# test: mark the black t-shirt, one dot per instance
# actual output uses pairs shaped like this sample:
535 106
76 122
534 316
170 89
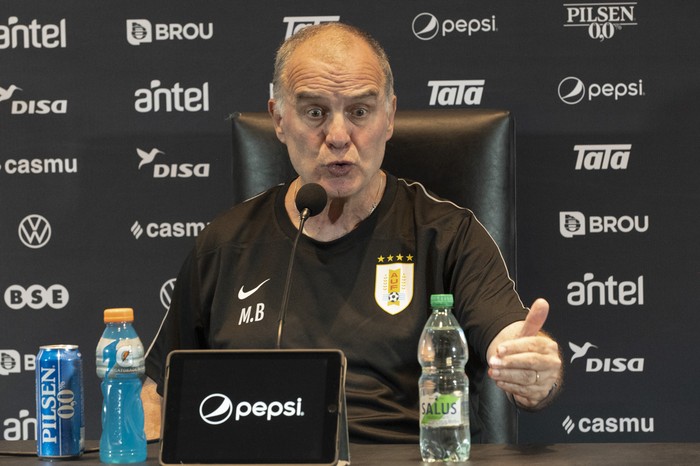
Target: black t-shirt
366 293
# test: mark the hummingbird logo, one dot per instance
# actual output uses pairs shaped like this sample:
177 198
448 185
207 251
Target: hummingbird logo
147 157
6 94
580 351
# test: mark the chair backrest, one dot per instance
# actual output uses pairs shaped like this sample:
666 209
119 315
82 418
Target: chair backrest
465 155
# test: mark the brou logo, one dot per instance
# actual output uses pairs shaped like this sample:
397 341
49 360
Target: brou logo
609 425
605 364
297 23
602 156
141 31
625 293
32 35
32 107
573 223
175 99
34 231
11 362
455 93
217 408
572 90
601 19
172 170
426 26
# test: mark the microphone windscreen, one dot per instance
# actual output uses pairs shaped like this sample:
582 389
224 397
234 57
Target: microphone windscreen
311 196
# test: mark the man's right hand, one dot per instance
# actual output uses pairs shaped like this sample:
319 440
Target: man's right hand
152 403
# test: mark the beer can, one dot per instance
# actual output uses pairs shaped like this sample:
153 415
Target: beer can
59 402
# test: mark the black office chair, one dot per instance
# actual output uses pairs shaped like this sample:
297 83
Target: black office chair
465 155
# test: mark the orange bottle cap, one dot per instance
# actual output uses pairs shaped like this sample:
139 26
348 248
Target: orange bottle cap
122 314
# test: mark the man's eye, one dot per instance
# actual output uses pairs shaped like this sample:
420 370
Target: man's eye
360 112
314 113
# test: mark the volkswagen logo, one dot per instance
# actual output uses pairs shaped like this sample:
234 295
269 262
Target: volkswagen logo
34 231
166 293
571 90
215 409
425 26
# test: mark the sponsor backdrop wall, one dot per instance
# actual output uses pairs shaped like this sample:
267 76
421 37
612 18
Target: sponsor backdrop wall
115 153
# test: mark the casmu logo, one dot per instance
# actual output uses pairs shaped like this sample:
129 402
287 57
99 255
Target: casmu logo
455 93
426 26
297 23
168 230
602 156
141 31
609 425
217 408
601 19
573 223
572 90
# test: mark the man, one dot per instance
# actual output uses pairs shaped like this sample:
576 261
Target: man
333 108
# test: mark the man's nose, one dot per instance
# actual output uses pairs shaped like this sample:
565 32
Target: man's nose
338 131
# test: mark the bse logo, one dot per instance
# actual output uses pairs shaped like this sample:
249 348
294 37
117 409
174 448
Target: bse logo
297 23
141 31
173 170
616 365
602 156
32 35
610 425
426 26
217 408
36 297
34 231
572 90
32 107
601 19
572 223
455 93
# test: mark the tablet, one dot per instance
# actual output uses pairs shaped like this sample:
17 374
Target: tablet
260 407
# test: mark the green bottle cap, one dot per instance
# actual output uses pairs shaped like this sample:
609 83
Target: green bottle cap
441 300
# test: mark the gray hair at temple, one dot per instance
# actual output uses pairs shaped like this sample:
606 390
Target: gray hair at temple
291 44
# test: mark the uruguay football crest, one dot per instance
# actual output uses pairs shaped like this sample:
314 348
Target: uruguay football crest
393 285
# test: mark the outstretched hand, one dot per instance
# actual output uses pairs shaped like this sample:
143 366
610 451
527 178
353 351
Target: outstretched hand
525 362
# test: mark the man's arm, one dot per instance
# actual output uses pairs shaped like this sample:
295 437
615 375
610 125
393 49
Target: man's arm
525 362
152 403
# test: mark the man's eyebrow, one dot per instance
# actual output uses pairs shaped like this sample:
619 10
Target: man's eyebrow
305 95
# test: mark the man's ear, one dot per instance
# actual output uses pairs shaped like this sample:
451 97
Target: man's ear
274 112
390 117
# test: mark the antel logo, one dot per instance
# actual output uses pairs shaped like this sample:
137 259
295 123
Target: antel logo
609 292
142 31
573 223
175 99
22 427
572 90
34 231
32 107
602 156
297 23
601 19
11 362
166 292
611 425
32 35
36 297
426 26
456 92
217 408
616 365
172 170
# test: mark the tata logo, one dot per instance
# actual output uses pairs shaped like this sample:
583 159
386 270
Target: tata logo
36 297
611 425
427 26
32 107
573 223
33 35
615 365
601 20
456 92
34 231
142 31
166 292
297 23
602 156
217 408
572 90
172 170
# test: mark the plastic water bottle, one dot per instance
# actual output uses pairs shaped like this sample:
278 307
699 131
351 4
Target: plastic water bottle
120 363
443 385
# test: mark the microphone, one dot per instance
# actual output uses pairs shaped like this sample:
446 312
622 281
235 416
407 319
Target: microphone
310 200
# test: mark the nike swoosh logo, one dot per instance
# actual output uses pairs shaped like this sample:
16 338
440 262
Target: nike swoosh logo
244 294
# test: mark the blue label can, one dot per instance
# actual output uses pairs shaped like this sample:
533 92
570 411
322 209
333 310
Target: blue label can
59 402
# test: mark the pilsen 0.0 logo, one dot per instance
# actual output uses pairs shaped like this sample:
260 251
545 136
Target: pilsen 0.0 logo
602 20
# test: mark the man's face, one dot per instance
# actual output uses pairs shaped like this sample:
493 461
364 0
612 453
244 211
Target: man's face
336 119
